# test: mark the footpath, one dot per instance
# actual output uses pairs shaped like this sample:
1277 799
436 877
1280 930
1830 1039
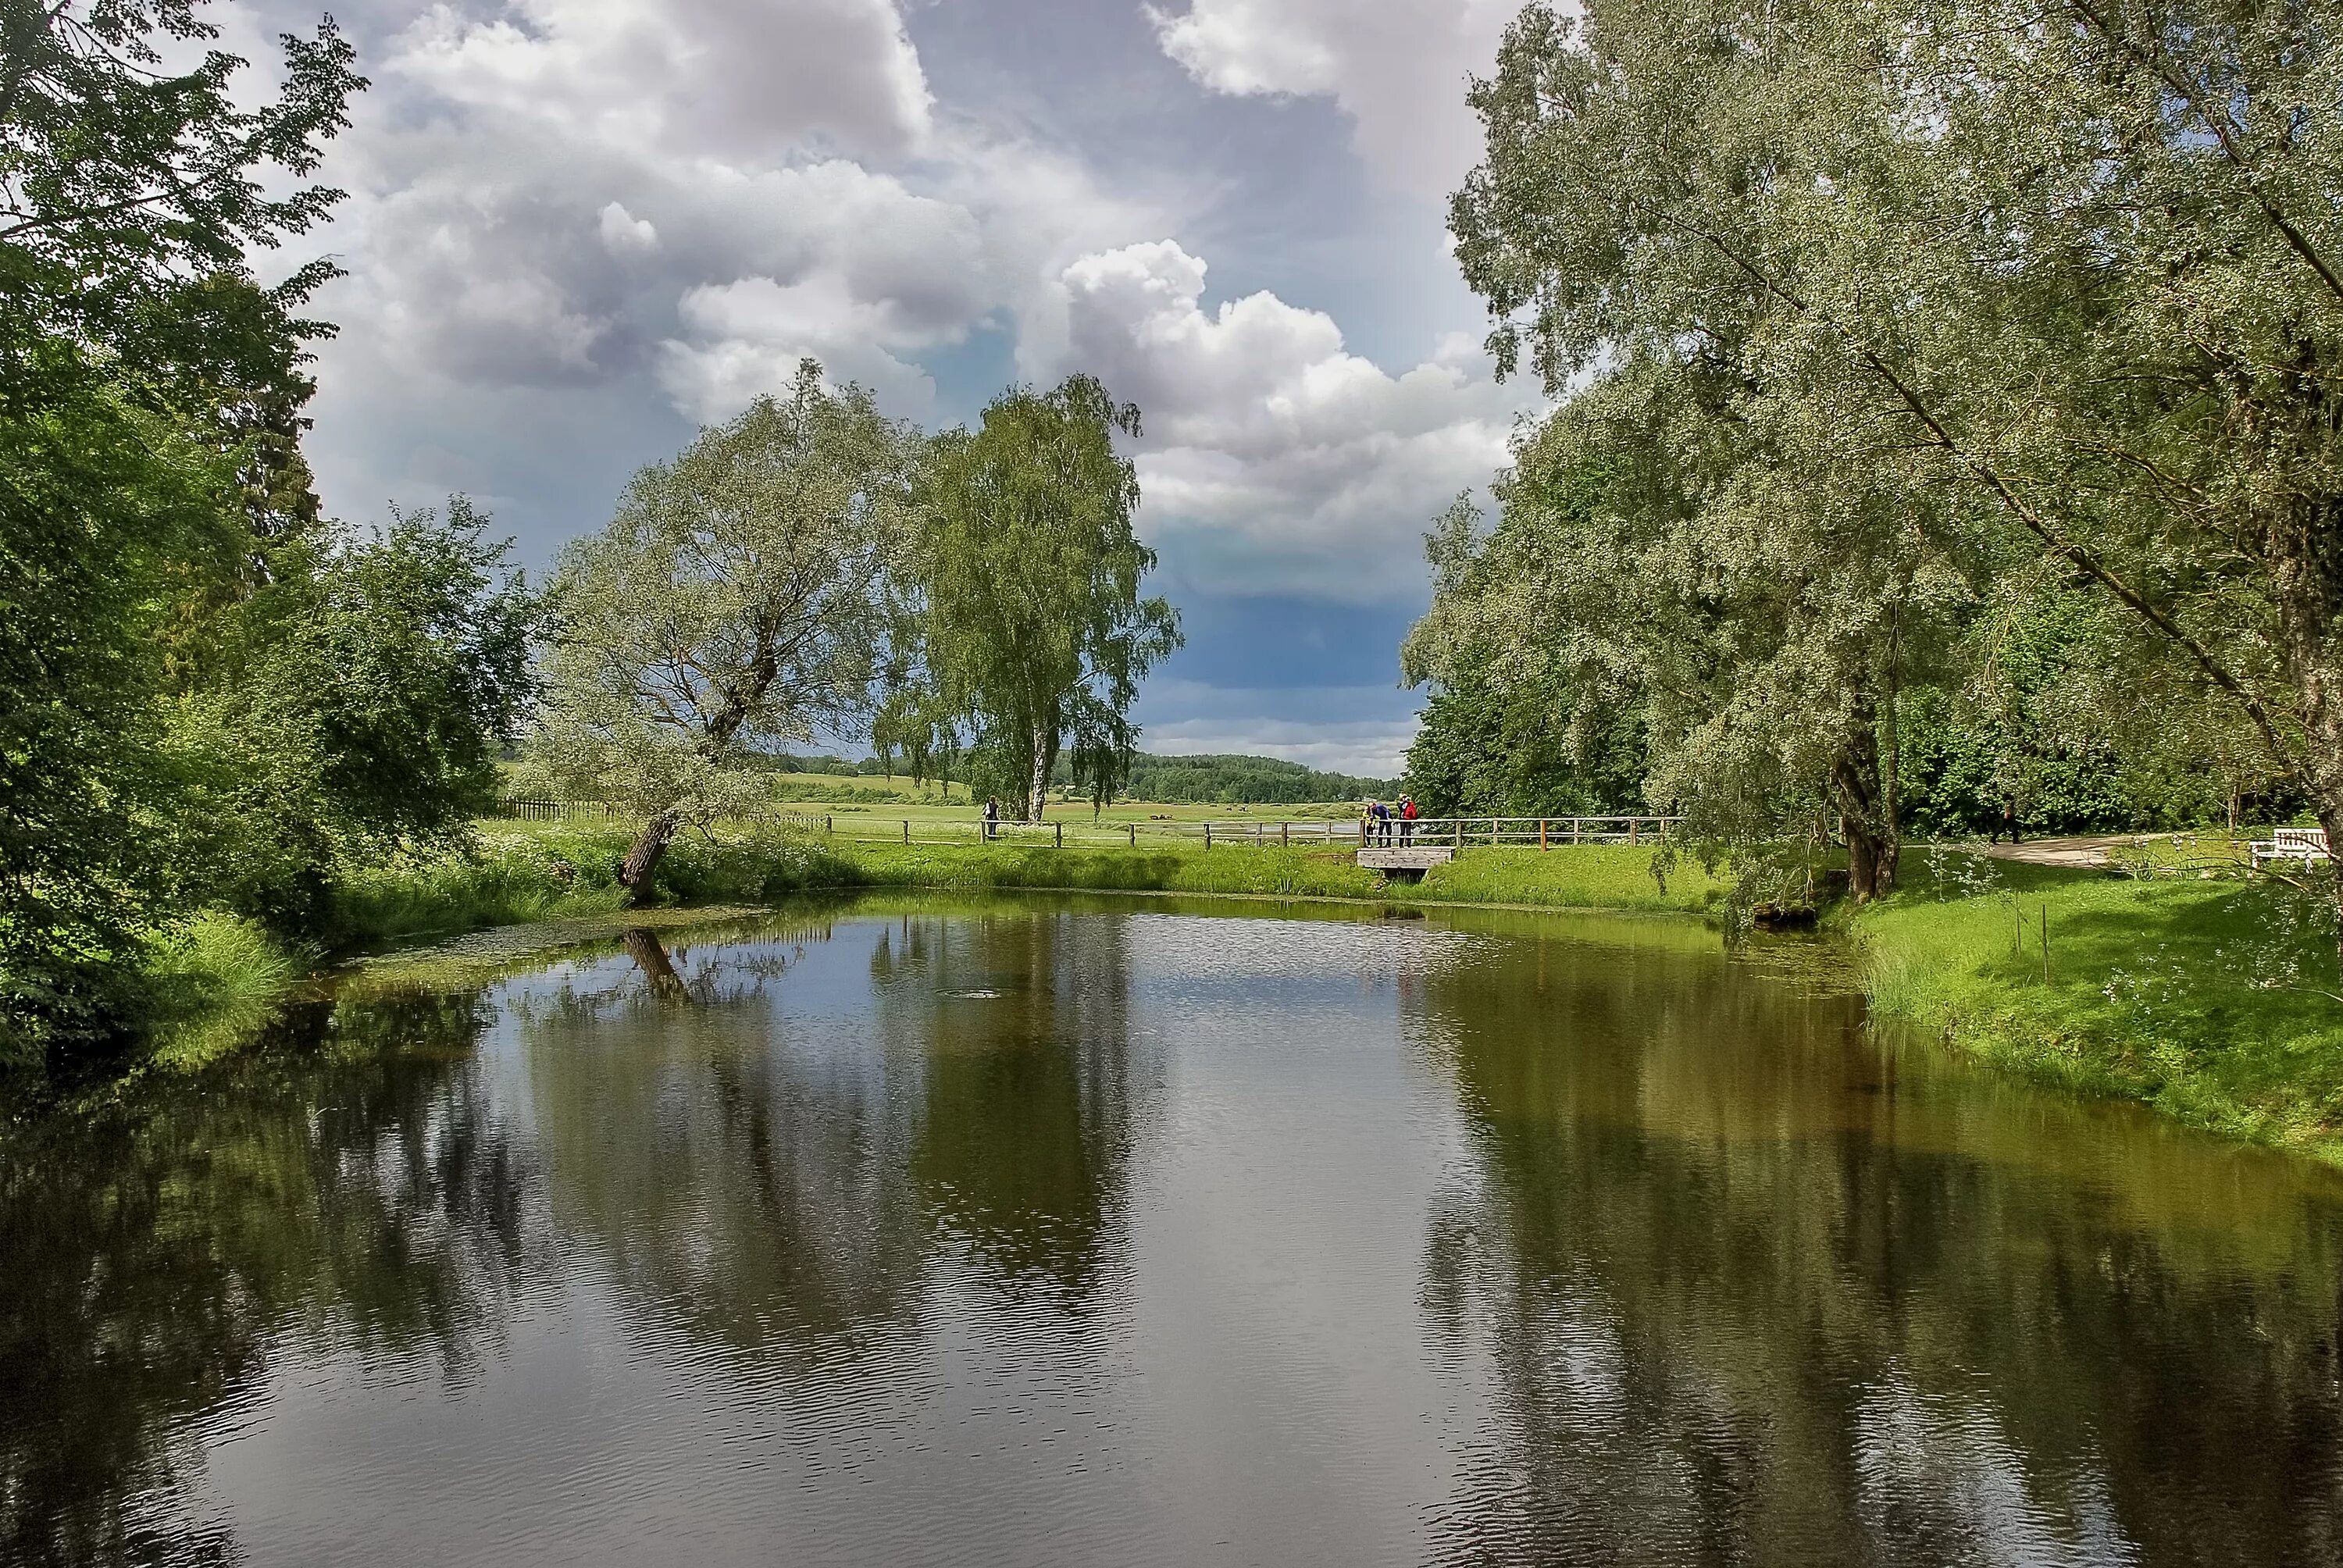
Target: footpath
2086 853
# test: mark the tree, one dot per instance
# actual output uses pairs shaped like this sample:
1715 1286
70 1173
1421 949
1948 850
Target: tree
1030 571
130 201
352 707
733 604
1731 598
128 194
97 500
2073 272
1509 731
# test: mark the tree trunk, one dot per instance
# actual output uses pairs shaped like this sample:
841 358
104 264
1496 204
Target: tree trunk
1045 757
635 873
2310 562
1866 813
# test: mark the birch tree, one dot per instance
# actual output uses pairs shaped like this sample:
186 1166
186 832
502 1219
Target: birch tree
1032 572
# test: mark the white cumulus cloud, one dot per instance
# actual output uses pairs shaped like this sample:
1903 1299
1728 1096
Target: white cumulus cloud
1399 68
1276 460
624 234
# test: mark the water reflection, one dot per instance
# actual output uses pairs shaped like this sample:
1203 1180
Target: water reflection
156 1244
1067 1232
1022 1031
1829 1302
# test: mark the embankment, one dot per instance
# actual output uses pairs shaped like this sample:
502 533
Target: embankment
2208 999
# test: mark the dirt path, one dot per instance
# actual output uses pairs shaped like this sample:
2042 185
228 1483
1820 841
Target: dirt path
2087 853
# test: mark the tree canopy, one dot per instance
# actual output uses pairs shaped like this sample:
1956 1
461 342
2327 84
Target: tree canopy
211 697
735 604
1877 321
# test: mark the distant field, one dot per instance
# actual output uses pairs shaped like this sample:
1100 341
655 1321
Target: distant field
899 799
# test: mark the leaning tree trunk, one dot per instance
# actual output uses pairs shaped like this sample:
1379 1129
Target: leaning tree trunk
636 871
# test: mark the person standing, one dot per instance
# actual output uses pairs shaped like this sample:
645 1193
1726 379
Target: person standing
991 818
2008 821
1407 816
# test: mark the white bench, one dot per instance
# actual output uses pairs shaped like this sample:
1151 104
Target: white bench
2304 844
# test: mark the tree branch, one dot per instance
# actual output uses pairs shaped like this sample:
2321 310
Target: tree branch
2225 131
2000 487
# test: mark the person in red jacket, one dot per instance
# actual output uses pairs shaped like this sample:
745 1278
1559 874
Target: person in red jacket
1407 816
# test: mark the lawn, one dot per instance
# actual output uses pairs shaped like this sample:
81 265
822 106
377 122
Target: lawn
2206 998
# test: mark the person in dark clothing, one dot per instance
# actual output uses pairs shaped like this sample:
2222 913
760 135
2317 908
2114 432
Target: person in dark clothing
991 819
1407 816
2008 821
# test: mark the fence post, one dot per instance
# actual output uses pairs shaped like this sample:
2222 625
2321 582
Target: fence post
1257 829
1208 835
1460 832
1362 833
829 824
1133 828
1634 825
1061 834
907 829
1285 835
1541 832
1577 832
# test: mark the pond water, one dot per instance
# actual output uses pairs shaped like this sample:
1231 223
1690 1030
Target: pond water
1054 1231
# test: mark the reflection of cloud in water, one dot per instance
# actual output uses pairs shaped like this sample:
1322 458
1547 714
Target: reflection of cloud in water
1939 1479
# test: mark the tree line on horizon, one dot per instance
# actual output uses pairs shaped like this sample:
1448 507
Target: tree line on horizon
1198 777
1947 421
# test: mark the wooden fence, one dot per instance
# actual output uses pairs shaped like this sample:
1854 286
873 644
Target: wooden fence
1072 831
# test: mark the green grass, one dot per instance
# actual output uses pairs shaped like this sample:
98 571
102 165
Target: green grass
2201 998
214 986
1589 877
532 873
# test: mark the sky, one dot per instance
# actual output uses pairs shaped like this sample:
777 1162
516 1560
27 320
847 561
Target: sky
578 229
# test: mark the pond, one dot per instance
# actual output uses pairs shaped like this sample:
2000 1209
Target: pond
1087 1232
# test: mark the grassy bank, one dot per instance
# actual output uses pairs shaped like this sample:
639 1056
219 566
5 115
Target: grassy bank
1590 877
2205 999
219 984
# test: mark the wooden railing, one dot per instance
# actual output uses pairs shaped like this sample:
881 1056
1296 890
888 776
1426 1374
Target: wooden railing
1073 831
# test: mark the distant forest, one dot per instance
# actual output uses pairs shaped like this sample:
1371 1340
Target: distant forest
1217 780
1243 780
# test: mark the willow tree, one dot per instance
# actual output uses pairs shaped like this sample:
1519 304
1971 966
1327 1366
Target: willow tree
1030 574
733 605
2073 272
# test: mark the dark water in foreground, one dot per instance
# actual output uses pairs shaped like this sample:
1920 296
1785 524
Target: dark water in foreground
1059 1233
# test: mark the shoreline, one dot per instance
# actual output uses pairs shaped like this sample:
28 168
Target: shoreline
2220 1051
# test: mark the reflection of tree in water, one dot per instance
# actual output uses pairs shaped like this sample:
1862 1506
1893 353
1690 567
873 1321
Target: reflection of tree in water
1024 1028
1746 1301
740 1169
349 1185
